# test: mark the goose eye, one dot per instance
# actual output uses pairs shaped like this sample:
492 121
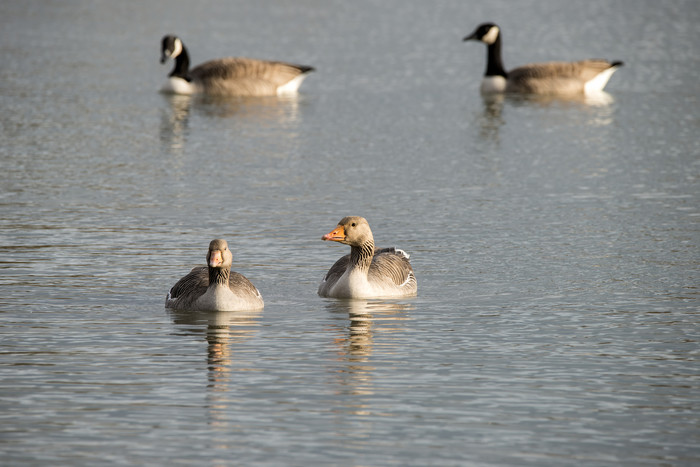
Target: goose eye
353 224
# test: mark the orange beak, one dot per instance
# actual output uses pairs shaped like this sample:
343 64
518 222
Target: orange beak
215 259
336 235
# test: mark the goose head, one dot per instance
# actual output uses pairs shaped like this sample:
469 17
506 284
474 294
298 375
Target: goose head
219 256
351 230
171 48
487 33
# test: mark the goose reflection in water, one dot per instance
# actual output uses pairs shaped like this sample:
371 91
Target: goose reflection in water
596 109
582 101
366 321
267 111
174 123
257 113
491 118
223 331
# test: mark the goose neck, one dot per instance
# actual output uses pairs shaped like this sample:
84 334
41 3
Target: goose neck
361 256
219 275
494 61
182 65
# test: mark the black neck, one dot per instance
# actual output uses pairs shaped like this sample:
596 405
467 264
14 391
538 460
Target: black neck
494 62
219 275
182 65
361 256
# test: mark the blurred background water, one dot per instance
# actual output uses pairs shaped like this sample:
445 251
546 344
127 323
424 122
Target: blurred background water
555 241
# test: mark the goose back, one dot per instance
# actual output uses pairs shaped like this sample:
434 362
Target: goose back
187 290
392 267
386 263
558 77
246 76
390 273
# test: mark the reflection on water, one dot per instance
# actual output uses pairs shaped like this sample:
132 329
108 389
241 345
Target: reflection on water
367 320
278 110
592 99
596 109
174 123
491 118
557 240
262 112
223 330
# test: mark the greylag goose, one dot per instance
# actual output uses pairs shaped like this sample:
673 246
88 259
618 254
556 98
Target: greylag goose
233 76
214 287
367 272
585 76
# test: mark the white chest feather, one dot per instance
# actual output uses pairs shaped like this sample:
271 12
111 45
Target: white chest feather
220 298
179 86
492 84
355 284
352 284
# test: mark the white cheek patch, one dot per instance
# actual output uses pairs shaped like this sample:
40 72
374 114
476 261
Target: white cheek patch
178 48
491 36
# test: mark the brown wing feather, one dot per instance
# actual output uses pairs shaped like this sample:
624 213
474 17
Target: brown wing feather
337 270
388 264
245 76
240 285
555 76
192 285
391 265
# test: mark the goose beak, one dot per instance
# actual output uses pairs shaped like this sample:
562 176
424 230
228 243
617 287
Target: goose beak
336 235
164 57
215 260
470 37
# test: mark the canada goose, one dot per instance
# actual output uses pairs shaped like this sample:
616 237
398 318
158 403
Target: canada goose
367 272
233 76
585 76
214 287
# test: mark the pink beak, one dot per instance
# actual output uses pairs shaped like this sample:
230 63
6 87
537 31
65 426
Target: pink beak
336 235
215 259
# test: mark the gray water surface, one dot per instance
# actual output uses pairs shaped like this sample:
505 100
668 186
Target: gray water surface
555 242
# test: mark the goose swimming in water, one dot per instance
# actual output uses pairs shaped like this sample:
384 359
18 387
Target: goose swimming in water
232 76
215 287
367 272
585 76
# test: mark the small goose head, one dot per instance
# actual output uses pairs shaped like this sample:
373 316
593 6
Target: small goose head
219 256
171 48
351 230
487 33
